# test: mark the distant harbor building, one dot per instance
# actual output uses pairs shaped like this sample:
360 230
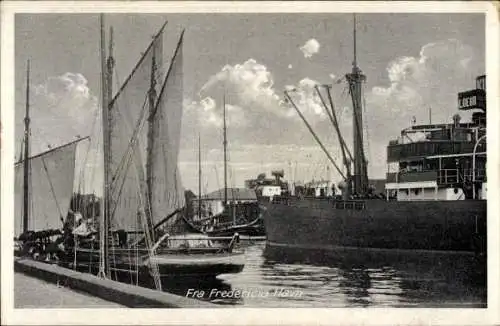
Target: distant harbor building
268 188
270 191
212 204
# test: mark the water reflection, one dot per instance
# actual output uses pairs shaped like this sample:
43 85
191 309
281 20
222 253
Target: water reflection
276 278
354 284
212 290
313 280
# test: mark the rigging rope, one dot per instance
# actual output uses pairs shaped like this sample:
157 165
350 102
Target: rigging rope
231 177
136 262
175 199
92 181
217 176
142 203
130 266
153 264
93 228
366 123
127 158
21 159
134 138
22 150
83 167
52 188
357 125
30 192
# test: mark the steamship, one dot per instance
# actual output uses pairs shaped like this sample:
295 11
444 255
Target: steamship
434 199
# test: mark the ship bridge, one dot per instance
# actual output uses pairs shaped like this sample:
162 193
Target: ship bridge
441 161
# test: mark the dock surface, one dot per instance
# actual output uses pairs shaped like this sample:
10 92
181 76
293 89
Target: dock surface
30 292
108 290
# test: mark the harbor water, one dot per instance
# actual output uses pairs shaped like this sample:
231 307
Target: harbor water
281 282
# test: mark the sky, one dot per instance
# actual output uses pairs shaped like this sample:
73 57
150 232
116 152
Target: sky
412 61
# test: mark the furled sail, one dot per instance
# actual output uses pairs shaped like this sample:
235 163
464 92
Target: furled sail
129 112
167 190
52 174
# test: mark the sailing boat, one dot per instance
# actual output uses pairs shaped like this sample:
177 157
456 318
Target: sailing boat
143 230
239 215
43 188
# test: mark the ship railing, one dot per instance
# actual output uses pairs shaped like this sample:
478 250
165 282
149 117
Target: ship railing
480 175
448 176
350 204
353 204
280 200
231 223
164 239
442 176
453 176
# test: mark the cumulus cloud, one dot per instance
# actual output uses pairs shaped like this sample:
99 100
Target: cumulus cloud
256 110
249 83
208 112
290 66
307 99
310 48
259 114
61 109
432 79
251 97
249 92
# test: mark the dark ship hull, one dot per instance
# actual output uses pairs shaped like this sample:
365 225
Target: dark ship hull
441 227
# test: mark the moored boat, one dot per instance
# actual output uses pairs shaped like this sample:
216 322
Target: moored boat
42 194
143 201
241 213
140 230
226 211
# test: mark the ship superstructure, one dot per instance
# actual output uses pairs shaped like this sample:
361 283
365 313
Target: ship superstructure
442 161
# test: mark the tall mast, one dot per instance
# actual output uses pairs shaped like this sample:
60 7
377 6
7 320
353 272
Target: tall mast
199 176
26 165
354 62
106 120
356 80
153 129
225 148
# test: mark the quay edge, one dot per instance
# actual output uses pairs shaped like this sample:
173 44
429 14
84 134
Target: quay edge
124 294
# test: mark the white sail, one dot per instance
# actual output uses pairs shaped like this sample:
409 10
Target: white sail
168 193
129 111
51 187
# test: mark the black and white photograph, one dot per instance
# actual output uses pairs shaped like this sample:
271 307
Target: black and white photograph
327 156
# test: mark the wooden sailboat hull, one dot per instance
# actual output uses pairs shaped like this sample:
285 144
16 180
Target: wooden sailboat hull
205 266
130 262
253 229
